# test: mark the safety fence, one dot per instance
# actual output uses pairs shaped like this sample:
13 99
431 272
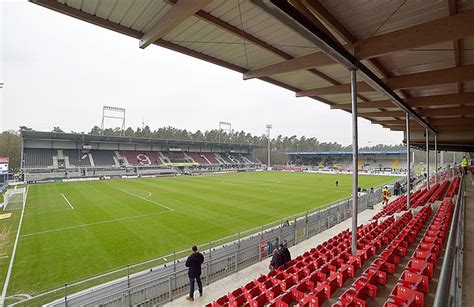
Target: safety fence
222 258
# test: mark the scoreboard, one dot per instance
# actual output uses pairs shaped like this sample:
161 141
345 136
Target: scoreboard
4 165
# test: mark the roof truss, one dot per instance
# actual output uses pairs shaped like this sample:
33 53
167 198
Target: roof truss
181 10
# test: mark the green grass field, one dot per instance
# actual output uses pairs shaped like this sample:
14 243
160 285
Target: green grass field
74 230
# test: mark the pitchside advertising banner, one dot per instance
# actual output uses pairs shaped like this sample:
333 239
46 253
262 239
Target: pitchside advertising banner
4 165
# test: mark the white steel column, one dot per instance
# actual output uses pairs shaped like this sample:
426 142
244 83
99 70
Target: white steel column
436 158
408 159
355 160
427 160
268 148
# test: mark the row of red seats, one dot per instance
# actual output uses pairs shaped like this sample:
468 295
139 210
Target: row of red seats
398 205
439 193
312 277
367 284
425 196
454 188
413 282
392 207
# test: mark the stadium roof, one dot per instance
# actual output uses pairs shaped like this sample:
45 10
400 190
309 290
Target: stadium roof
329 153
78 137
413 56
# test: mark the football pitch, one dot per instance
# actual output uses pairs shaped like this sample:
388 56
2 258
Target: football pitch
74 230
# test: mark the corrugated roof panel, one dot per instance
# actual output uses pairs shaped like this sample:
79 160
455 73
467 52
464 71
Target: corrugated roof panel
261 25
120 10
440 89
339 98
302 79
137 9
373 96
433 57
153 13
336 72
464 5
89 6
74 3
365 19
199 35
469 86
468 51
105 8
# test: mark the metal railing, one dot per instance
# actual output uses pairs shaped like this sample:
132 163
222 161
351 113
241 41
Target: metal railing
448 292
156 284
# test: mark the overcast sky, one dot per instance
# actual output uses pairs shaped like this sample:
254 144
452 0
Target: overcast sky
60 71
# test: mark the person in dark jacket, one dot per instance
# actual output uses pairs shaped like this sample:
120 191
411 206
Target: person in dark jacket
276 261
194 264
285 254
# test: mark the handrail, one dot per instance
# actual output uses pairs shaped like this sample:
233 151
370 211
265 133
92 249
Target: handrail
442 296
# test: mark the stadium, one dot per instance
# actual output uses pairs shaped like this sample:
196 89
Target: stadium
108 217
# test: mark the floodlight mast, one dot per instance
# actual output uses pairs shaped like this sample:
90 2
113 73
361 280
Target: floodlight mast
226 127
106 113
268 150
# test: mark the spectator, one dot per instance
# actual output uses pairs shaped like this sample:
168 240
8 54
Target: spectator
464 165
194 262
396 188
386 195
276 261
269 248
285 254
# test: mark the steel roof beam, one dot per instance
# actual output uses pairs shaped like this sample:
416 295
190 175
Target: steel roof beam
416 102
426 78
453 27
445 29
362 87
171 19
339 53
317 59
433 121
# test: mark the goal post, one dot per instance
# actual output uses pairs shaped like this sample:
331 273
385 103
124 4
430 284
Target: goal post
13 199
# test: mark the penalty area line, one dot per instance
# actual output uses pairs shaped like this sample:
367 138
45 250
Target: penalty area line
92 224
64 196
145 199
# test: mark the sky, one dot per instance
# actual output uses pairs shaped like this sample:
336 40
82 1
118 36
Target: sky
60 71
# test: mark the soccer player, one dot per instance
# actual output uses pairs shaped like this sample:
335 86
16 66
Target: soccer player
337 184
194 264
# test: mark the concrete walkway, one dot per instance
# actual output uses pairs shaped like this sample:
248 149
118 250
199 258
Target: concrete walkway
239 279
468 266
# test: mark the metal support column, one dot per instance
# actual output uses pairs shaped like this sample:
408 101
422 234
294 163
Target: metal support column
436 158
355 158
427 159
408 159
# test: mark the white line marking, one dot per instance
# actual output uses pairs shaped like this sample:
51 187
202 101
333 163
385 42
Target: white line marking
7 279
67 201
92 224
145 199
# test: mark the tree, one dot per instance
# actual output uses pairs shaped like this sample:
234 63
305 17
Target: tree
95 130
57 129
10 146
25 128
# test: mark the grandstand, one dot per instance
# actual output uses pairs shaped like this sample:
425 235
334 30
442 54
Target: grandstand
369 161
49 155
406 66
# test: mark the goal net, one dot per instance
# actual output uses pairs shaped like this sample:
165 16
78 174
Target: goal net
13 199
